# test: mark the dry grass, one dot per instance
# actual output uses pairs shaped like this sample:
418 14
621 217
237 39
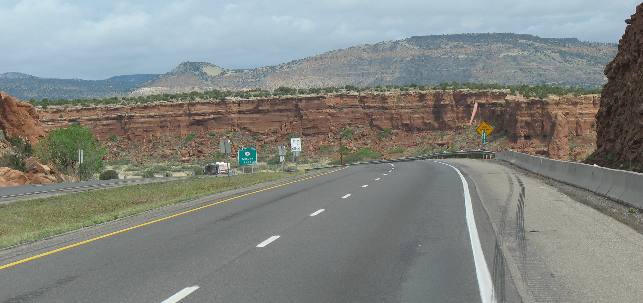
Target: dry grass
32 220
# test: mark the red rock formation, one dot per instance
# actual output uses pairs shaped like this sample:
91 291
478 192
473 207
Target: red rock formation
620 118
19 119
558 147
416 118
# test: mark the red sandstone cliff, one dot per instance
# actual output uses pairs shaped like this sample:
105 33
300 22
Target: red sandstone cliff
416 119
620 118
19 119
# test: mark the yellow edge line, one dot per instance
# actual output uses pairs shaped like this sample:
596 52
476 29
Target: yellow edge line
77 244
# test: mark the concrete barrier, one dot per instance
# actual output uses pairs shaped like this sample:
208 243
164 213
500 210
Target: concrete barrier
620 185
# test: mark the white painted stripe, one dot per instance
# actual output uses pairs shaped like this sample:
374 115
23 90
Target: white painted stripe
181 294
485 284
365 185
346 196
268 241
385 174
377 179
317 212
392 165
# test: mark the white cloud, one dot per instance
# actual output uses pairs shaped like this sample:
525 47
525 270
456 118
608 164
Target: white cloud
97 39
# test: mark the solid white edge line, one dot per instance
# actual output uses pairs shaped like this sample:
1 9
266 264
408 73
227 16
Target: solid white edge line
268 241
317 212
181 294
346 196
485 284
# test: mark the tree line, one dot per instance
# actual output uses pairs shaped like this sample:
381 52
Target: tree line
529 91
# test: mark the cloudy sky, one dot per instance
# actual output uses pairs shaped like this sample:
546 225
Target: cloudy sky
100 38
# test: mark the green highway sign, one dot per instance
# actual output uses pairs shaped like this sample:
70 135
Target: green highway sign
247 156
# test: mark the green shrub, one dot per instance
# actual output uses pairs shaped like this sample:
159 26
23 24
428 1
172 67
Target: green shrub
197 170
397 150
385 133
13 161
108 175
361 154
148 173
61 146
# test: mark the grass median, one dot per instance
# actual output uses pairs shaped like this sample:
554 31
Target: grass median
31 220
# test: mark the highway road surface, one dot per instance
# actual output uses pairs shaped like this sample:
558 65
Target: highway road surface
403 232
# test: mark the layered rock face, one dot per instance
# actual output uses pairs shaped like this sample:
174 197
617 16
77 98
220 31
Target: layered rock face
620 118
19 119
414 118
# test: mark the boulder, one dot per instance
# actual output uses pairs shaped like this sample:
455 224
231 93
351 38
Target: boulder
12 177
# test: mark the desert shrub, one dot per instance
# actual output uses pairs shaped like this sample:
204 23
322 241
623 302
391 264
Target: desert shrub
148 173
397 150
198 170
109 174
384 133
13 161
60 147
361 154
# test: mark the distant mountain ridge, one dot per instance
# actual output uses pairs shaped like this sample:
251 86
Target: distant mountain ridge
27 87
475 58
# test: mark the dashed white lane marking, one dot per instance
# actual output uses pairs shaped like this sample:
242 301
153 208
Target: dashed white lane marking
365 185
392 165
377 179
268 241
485 284
317 212
346 196
181 294
385 174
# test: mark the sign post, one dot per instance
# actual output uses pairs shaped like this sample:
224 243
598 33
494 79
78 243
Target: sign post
225 147
247 156
81 160
282 155
295 148
484 130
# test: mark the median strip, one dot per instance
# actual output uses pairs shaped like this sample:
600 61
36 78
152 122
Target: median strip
15 226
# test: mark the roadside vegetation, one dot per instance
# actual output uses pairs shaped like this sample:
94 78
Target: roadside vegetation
529 91
60 147
16 155
37 219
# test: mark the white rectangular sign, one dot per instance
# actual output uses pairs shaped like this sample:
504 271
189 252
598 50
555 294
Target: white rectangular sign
295 144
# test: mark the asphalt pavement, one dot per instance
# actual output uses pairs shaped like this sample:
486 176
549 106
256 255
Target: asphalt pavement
374 233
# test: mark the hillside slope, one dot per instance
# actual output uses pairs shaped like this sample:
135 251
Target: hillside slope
27 87
620 118
476 58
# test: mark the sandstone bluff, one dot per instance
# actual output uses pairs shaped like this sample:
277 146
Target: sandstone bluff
620 118
560 127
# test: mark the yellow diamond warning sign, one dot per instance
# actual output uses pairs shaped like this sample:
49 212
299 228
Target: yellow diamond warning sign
484 127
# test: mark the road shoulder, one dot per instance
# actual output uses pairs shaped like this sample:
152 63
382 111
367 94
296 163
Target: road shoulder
565 251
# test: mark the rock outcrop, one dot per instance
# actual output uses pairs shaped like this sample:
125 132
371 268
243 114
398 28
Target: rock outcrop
192 129
19 119
620 118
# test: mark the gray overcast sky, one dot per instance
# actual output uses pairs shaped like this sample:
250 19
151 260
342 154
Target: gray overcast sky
100 38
